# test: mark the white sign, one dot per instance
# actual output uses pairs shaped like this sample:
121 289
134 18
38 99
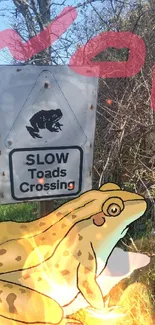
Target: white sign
45 172
47 125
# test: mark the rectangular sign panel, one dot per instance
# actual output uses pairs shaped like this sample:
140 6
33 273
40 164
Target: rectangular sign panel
47 129
45 172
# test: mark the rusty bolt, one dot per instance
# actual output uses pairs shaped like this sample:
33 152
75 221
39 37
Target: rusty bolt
91 107
46 84
3 174
9 142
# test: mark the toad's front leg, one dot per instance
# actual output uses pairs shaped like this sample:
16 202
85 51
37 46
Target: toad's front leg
58 125
86 281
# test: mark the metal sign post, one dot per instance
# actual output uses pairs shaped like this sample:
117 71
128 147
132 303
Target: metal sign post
47 125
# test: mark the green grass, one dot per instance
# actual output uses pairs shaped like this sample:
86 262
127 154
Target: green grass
20 212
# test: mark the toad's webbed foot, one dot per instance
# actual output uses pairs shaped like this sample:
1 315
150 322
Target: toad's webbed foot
58 126
54 128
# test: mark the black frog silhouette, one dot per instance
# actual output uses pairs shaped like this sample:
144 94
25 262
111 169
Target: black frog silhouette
45 120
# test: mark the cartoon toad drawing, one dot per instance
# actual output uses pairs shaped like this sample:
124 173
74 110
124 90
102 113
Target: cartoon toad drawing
46 263
45 120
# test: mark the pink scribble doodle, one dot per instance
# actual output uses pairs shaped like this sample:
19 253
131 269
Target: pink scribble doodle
24 51
81 61
118 40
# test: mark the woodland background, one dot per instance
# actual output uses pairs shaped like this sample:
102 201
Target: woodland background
124 150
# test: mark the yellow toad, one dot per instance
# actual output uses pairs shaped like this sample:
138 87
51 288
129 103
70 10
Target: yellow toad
44 264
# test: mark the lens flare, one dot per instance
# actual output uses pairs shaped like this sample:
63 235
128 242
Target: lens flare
109 101
71 186
132 307
107 314
41 180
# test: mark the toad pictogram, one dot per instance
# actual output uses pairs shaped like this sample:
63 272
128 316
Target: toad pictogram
45 120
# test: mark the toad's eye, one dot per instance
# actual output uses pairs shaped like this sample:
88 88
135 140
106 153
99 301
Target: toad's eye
113 207
114 210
